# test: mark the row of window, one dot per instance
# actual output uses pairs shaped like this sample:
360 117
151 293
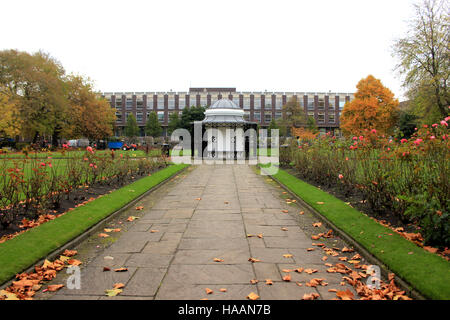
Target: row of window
256 115
257 103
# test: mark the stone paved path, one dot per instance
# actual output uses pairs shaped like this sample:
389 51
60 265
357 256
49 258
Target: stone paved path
177 261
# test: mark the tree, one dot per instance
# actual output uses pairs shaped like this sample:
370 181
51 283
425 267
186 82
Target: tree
424 58
131 128
152 126
174 123
374 107
272 126
295 116
36 84
406 124
9 127
191 114
90 115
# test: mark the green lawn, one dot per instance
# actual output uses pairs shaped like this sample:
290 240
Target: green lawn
426 272
26 249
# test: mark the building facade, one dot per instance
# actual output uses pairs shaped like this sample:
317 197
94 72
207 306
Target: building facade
259 107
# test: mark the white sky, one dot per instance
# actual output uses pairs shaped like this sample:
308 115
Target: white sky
133 45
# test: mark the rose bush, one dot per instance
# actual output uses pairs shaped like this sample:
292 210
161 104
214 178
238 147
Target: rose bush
407 177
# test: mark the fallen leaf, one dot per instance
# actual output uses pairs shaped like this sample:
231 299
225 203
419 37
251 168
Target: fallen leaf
284 211
310 249
287 270
345 295
252 296
118 286
113 292
218 260
121 269
311 271
223 290
311 296
320 202
299 270
269 282
287 278
74 262
69 253
299 284
345 249
8 295
317 224
284 229
198 198
139 208
106 269
287 255
430 249
208 291
107 230
154 231
103 235
254 281
54 287
301 213
131 218
253 260
260 235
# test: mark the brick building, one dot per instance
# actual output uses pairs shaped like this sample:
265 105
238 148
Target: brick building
260 107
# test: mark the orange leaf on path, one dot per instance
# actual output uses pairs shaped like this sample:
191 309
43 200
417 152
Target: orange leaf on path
311 296
345 295
252 296
208 291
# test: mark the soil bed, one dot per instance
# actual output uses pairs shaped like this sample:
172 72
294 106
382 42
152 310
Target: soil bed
77 197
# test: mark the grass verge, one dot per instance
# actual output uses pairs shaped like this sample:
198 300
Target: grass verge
26 249
426 272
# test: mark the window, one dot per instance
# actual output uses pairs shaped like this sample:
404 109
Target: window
310 103
331 118
118 103
149 102
257 116
341 103
268 102
311 114
129 103
321 117
161 116
331 103
160 102
118 116
279 103
236 100
246 115
247 103
139 104
278 115
267 117
127 114
139 116
171 102
192 100
321 104
203 101
257 102
181 102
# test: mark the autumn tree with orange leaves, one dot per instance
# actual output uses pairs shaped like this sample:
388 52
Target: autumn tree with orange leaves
374 107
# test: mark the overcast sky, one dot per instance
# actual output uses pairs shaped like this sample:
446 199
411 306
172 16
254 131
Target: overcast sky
131 45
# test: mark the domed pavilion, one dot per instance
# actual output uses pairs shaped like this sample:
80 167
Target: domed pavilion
224 132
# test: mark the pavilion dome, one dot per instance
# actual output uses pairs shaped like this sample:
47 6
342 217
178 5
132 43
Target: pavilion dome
224 111
224 104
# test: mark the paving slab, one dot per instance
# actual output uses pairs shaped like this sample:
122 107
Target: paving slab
207 212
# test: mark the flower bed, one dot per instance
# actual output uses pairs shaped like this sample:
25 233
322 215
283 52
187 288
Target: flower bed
404 178
31 187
